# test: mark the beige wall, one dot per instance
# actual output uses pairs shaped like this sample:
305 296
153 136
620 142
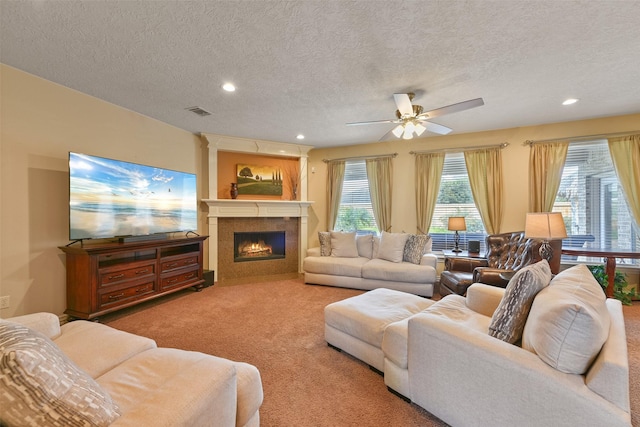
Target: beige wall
515 168
41 123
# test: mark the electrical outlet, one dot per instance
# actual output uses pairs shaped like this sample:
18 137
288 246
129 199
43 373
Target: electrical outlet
4 302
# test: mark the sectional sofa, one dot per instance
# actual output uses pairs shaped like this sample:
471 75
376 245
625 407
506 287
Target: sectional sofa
86 373
542 352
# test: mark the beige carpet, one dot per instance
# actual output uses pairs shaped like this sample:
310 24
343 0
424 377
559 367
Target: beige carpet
278 327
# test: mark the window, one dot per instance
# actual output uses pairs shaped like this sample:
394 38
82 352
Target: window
592 203
455 199
355 212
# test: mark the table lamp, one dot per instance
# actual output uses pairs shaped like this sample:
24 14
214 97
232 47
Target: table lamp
457 223
546 226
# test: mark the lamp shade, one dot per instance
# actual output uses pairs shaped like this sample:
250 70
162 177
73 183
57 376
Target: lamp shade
545 225
457 223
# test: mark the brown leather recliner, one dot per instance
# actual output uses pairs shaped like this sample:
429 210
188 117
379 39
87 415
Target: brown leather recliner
506 254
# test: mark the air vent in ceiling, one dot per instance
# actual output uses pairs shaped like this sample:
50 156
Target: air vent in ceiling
199 111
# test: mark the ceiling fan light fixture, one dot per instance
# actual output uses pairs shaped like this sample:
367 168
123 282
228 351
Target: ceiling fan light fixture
409 127
407 135
397 131
420 129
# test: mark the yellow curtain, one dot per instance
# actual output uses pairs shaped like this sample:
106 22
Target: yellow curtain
428 174
625 153
484 168
379 174
335 179
546 162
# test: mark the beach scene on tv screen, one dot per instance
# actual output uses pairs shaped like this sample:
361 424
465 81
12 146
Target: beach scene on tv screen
110 198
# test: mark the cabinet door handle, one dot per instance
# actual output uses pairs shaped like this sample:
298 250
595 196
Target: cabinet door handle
116 296
146 270
172 280
173 264
139 290
116 276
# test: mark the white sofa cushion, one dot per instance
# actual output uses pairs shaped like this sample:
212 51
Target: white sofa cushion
569 321
398 272
350 267
97 348
343 245
365 245
169 387
391 247
510 317
39 383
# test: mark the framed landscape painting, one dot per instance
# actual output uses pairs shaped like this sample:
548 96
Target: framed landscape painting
259 180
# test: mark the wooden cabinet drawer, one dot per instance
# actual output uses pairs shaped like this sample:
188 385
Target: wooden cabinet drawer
122 296
111 277
175 263
179 279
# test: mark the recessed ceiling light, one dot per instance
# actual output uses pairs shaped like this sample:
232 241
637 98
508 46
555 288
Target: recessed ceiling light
300 136
569 101
229 87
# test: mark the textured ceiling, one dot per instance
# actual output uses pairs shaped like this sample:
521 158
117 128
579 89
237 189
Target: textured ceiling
311 66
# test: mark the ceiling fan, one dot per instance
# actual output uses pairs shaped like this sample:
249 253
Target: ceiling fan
412 120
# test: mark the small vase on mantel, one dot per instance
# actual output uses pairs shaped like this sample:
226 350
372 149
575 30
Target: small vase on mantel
234 190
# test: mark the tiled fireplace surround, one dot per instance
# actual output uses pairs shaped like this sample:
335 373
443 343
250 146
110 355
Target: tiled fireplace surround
227 215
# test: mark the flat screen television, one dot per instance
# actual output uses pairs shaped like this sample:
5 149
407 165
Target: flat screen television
111 198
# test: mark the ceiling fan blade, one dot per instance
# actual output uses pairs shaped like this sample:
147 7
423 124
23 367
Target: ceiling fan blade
454 108
372 122
436 128
404 104
387 136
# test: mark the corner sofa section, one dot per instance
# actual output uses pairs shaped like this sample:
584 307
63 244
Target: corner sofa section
398 261
139 383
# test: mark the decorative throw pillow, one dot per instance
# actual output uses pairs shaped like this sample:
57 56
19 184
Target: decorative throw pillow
415 247
344 245
40 384
325 243
365 245
507 322
569 321
391 246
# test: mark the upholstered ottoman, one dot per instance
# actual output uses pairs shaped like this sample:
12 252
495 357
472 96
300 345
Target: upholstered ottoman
356 325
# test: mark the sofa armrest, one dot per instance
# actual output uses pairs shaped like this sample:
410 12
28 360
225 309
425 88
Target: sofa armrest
47 324
491 276
484 299
463 264
495 383
609 374
429 259
313 251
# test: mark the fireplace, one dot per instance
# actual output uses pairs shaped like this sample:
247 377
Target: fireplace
258 245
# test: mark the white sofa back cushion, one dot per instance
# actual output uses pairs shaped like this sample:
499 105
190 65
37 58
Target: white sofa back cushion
365 245
391 247
568 322
343 245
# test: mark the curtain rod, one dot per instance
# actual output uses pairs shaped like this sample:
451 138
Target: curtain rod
580 138
361 157
457 150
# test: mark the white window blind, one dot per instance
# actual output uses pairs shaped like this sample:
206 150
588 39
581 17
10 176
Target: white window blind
455 199
355 212
592 203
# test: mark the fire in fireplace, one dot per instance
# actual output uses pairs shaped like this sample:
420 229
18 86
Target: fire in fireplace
261 245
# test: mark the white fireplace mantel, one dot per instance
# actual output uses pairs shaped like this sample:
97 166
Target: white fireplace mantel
230 208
